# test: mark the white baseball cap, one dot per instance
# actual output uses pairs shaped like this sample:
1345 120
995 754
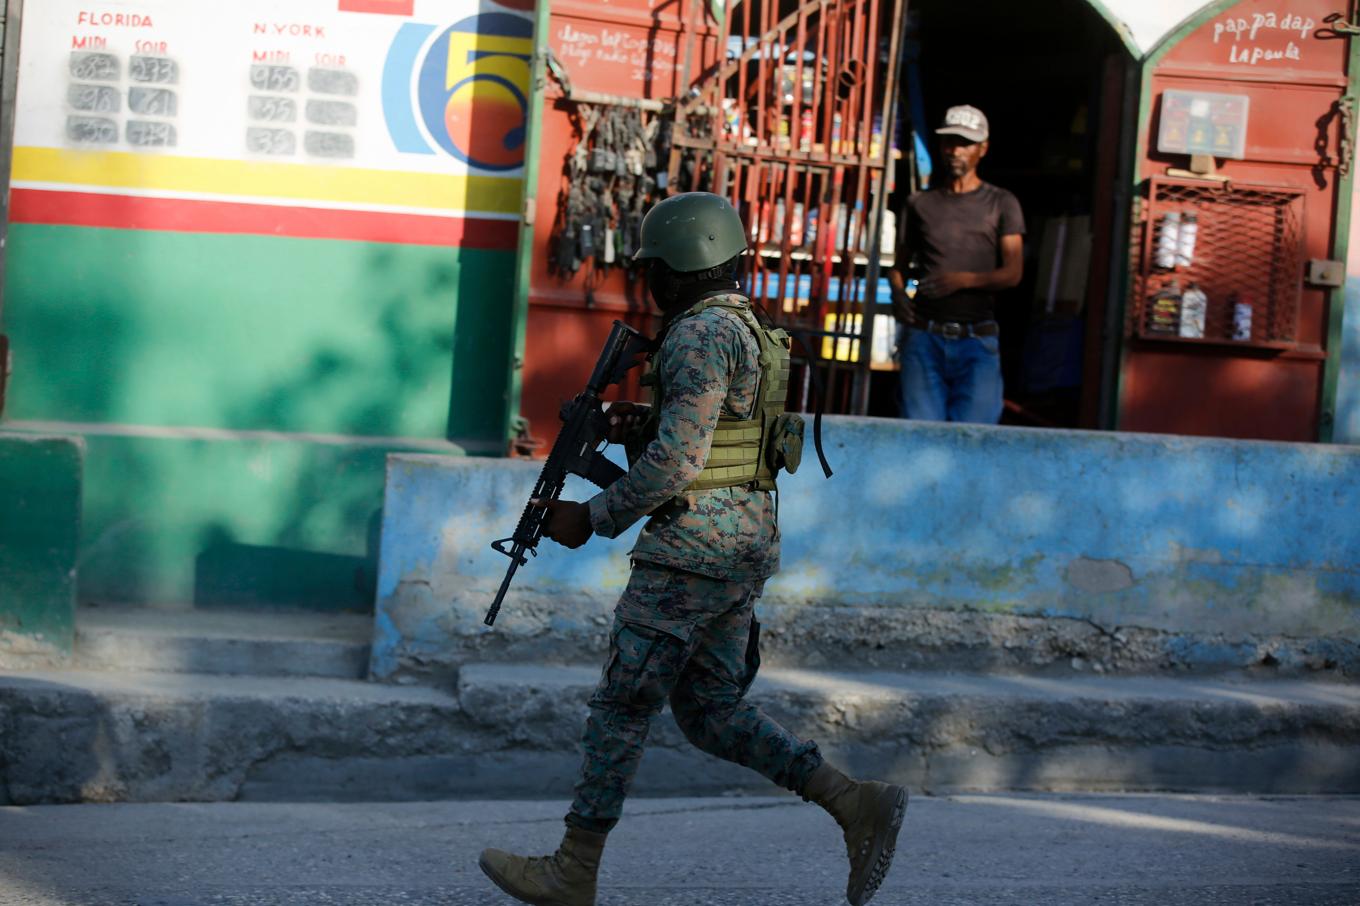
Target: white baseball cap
968 122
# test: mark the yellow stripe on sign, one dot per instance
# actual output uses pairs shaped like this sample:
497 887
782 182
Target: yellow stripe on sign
353 185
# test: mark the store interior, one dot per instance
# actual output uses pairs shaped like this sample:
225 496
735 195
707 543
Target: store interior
1051 96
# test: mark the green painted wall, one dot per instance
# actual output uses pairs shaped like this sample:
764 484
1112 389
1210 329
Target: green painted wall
140 340
223 522
254 332
39 527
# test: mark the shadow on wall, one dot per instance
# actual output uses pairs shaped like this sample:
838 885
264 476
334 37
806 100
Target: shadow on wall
75 347
368 378
387 378
229 574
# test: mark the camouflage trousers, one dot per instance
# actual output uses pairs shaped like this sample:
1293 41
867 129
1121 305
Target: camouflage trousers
693 641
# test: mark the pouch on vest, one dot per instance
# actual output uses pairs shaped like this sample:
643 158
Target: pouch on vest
785 450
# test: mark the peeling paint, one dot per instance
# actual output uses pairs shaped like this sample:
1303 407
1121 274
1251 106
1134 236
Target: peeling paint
29 652
1099 576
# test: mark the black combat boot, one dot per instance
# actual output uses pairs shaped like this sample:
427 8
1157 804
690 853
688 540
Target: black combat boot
870 814
566 878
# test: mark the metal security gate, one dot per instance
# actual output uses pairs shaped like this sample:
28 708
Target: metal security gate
795 128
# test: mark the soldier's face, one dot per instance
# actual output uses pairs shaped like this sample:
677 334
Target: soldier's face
660 284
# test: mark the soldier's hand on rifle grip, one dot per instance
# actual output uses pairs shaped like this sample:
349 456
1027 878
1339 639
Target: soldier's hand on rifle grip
625 419
568 522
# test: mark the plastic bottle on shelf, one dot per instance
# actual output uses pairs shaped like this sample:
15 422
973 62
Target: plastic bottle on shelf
847 226
887 241
1164 316
1185 245
731 116
1241 317
1168 239
1194 307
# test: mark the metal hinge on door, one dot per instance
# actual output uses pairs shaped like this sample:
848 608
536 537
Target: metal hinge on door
1340 26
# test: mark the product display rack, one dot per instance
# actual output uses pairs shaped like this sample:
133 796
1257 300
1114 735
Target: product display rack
1245 252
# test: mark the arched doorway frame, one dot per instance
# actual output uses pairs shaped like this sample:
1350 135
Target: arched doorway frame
1147 64
1120 29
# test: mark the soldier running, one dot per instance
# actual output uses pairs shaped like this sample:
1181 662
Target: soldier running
703 463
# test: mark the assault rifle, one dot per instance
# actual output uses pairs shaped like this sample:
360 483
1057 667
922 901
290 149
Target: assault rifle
585 427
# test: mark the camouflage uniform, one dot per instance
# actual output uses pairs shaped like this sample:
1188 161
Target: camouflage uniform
684 628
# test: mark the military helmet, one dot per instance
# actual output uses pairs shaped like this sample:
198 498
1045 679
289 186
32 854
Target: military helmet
692 231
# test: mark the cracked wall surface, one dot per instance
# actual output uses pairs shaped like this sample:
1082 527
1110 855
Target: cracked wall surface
1204 553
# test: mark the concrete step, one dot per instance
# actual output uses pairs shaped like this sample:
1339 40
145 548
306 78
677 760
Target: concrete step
258 643
571 626
511 730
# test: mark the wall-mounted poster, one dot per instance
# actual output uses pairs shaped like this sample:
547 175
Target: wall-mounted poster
381 120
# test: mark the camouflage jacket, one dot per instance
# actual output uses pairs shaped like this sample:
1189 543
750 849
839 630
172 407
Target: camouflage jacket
708 365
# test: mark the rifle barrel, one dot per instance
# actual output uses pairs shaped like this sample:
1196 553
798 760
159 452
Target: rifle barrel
505 586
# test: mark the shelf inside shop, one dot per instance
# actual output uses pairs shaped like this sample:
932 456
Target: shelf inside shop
816 156
1268 345
1239 247
769 250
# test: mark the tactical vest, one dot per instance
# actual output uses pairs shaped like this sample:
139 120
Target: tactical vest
749 452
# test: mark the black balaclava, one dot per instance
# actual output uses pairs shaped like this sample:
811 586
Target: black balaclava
675 291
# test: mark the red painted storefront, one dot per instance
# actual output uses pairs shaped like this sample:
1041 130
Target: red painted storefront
1271 386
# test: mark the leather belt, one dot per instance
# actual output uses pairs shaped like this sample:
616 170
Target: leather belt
954 330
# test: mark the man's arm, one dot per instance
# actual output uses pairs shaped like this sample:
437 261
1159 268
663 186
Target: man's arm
901 305
697 364
1004 277
897 281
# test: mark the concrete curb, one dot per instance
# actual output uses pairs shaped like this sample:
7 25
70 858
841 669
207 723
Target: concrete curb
511 731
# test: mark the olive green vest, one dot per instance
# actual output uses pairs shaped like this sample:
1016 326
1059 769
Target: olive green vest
751 451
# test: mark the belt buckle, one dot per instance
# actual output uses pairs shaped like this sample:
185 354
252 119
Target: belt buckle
951 330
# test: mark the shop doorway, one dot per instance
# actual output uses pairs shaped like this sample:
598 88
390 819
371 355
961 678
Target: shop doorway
1053 87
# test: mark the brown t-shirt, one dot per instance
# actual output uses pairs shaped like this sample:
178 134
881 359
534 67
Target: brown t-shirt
959 232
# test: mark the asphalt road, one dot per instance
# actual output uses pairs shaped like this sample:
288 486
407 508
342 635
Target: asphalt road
978 850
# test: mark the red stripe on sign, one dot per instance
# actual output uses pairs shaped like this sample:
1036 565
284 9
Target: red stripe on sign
129 212
392 7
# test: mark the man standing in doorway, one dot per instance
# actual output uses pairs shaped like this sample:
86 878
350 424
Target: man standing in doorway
964 239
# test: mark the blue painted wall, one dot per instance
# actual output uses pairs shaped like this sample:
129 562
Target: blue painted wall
1174 533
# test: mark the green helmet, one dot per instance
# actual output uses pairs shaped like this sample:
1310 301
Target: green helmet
692 231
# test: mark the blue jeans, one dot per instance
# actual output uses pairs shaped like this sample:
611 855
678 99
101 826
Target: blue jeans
944 379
